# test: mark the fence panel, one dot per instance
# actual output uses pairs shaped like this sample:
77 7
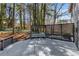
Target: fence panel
57 29
67 28
48 29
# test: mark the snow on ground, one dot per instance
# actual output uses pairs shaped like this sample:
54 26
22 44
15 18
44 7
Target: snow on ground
41 47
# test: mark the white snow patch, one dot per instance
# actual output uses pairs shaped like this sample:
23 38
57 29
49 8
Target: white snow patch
41 53
41 47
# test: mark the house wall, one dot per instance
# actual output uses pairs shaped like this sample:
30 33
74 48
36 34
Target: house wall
75 19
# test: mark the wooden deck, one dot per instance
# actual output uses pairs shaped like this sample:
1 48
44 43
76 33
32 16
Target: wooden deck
41 47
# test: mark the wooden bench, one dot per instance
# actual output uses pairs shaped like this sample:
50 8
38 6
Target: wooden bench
25 37
20 36
4 41
17 37
13 38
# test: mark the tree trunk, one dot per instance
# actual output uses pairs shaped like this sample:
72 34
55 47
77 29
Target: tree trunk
20 14
1 5
24 17
13 16
55 8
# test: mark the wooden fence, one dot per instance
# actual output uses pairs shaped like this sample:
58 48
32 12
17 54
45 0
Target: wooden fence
55 29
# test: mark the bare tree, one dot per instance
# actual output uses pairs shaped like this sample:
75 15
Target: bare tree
56 8
13 16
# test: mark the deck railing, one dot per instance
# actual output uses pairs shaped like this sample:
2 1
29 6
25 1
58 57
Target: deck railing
56 29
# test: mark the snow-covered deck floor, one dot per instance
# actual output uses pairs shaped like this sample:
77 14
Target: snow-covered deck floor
41 46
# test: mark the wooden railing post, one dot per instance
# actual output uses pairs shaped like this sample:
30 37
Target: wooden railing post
61 29
2 45
73 33
12 40
51 29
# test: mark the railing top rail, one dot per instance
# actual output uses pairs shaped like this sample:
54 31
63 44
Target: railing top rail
52 24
